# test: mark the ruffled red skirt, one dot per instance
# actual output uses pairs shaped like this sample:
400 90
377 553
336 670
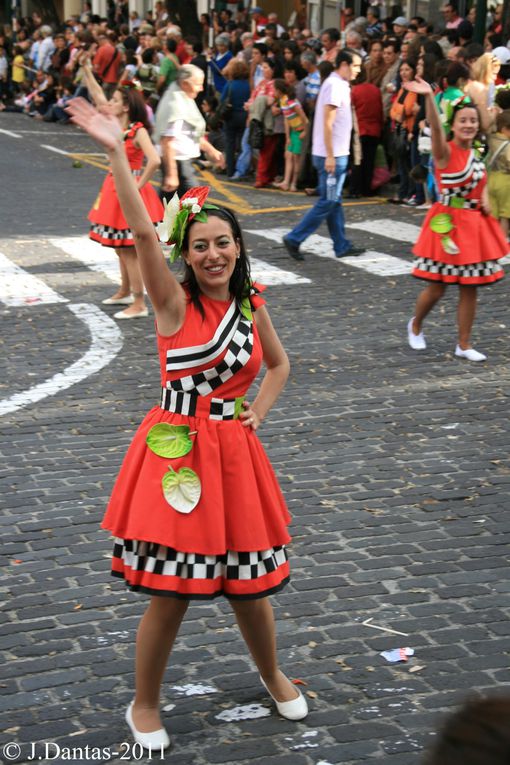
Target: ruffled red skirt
480 242
241 506
108 224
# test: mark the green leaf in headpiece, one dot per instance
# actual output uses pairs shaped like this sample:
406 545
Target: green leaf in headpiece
201 217
210 206
441 224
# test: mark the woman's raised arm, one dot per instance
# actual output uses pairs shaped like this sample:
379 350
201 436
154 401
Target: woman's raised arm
166 294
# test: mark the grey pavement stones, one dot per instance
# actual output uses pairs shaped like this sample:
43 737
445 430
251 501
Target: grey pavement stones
395 467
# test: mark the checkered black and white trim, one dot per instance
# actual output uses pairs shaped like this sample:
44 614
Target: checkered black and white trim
112 234
467 204
462 183
158 559
193 356
186 403
178 401
237 356
485 269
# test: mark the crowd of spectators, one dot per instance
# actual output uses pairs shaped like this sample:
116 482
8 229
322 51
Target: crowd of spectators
262 80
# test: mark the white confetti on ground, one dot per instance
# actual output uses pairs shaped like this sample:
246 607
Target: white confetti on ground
192 689
246 712
168 707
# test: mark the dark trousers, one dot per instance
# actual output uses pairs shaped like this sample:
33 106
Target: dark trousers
361 175
233 129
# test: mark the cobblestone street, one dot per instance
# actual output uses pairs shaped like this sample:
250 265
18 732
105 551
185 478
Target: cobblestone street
395 466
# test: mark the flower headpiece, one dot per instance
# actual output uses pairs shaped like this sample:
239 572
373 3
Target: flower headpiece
131 85
178 215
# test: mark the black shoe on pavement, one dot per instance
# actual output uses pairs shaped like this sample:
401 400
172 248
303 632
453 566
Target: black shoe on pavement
292 249
352 251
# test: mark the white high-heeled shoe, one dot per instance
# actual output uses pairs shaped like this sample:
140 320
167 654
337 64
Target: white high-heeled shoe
155 740
295 709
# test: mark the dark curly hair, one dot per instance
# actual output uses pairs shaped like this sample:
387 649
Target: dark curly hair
240 281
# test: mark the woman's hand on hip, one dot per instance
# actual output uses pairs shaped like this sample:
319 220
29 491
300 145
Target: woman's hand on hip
249 418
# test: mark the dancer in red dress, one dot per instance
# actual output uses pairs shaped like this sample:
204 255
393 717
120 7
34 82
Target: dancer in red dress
196 509
460 242
108 225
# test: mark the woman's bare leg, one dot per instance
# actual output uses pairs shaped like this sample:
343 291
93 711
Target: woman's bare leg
425 303
129 257
125 288
154 640
256 623
466 312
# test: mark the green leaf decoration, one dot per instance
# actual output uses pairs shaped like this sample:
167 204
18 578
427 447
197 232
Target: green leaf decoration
182 489
210 206
238 406
170 441
246 309
442 223
449 246
201 217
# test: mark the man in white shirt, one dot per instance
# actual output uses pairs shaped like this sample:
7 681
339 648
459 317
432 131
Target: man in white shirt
330 156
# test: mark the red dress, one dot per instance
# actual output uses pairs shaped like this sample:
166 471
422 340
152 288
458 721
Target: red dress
464 244
109 226
233 541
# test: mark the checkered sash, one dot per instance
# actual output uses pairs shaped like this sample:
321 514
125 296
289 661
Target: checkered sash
235 333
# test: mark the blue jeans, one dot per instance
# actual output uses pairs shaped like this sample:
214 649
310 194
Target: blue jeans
243 163
325 210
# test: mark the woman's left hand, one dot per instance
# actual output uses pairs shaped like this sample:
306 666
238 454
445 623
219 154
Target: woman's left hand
249 418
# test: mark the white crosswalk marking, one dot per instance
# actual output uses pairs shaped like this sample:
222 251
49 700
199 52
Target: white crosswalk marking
106 342
20 288
393 229
104 260
92 254
378 263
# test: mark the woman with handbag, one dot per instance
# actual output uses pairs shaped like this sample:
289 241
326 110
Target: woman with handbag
233 98
403 114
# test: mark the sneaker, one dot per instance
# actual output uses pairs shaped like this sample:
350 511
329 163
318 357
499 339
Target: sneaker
424 206
411 202
470 354
235 177
292 249
417 342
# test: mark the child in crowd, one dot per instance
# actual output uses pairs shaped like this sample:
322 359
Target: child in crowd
498 165
4 75
18 69
295 128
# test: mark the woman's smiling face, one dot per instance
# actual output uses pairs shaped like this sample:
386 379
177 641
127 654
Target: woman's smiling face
465 124
212 255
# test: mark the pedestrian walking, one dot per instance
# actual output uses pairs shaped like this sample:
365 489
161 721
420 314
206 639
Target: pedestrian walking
331 139
460 242
196 509
108 224
180 132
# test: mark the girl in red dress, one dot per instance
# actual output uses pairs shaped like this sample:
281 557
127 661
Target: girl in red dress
108 225
460 242
196 510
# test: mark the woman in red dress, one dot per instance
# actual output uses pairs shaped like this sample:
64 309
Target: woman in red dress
108 225
460 242
196 510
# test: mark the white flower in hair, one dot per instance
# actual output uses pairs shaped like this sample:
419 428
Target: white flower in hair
165 228
193 203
